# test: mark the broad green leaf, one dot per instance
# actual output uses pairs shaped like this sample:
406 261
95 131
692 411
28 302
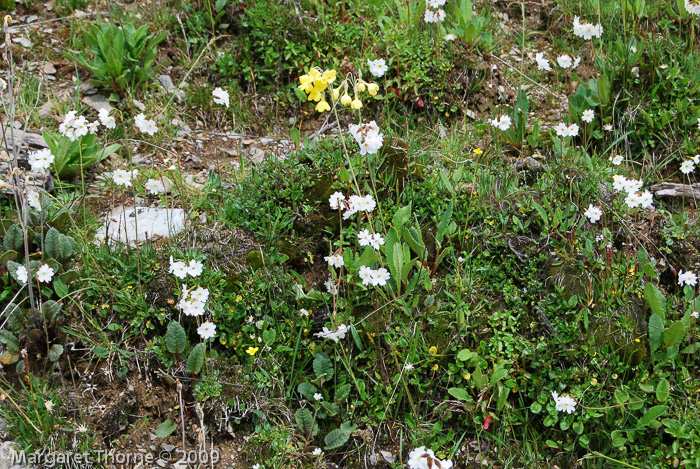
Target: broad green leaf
674 334
656 330
339 436
663 390
196 358
460 394
175 338
165 429
655 299
323 366
304 420
651 415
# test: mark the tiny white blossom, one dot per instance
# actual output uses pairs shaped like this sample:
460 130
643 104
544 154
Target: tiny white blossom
616 160
155 186
207 330
564 403
318 396
335 260
121 177
687 167
44 274
21 274
377 67
220 96
687 278
588 116
593 213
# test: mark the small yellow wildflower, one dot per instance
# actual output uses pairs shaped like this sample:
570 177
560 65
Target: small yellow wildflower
435 367
356 104
238 298
432 350
252 351
346 100
478 151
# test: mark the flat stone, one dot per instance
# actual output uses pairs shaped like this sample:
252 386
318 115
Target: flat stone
135 225
97 102
49 69
170 87
23 41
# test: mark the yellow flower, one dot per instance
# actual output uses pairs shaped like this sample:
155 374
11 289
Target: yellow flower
238 298
356 104
361 87
323 106
336 93
346 100
372 88
252 351
314 95
478 151
432 350
435 367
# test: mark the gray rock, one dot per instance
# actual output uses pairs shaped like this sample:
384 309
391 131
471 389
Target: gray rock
135 225
97 102
26 142
170 87
49 69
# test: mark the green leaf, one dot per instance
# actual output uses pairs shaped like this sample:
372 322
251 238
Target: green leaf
51 241
196 359
60 287
655 299
663 390
400 218
465 355
543 214
342 393
536 407
323 366
460 394
307 390
656 330
674 334
269 336
13 239
55 352
445 218
339 436
175 338
165 429
498 374
651 415
9 339
305 420
618 439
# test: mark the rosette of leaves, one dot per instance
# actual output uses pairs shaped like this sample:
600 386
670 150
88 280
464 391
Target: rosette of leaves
74 157
40 338
121 56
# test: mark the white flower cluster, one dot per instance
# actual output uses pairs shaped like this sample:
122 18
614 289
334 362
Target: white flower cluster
587 30
365 238
372 277
75 127
543 62
635 198
34 200
563 130
181 270
155 186
564 403
377 67
693 7
44 274
367 136
437 14
335 260
593 213
688 166
331 286
503 122
41 159
617 160
568 61
193 302
352 205
687 278
422 458
107 120
147 126
333 335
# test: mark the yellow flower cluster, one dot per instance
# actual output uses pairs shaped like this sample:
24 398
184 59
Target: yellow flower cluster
314 84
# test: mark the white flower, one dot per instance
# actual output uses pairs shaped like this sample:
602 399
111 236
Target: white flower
144 125
122 177
632 185
608 127
586 30
593 213
687 167
40 159
335 260
34 200
692 7
380 276
366 275
335 200
503 123
440 15
695 314
616 160
619 182
331 286
49 405
220 96
195 268
377 67
563 130
318 396
687 278
434 3
407 367
573 130
564 403
577 61
207 330
256 466
564 61
333 335
178 269
376 240
422 458
364 238
430 16
317 452
646 199
588 116
632 200
449 37
304 312
200 294
696 159
155 186
543 62
44 274
21 274
367 136
107 120
192 307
